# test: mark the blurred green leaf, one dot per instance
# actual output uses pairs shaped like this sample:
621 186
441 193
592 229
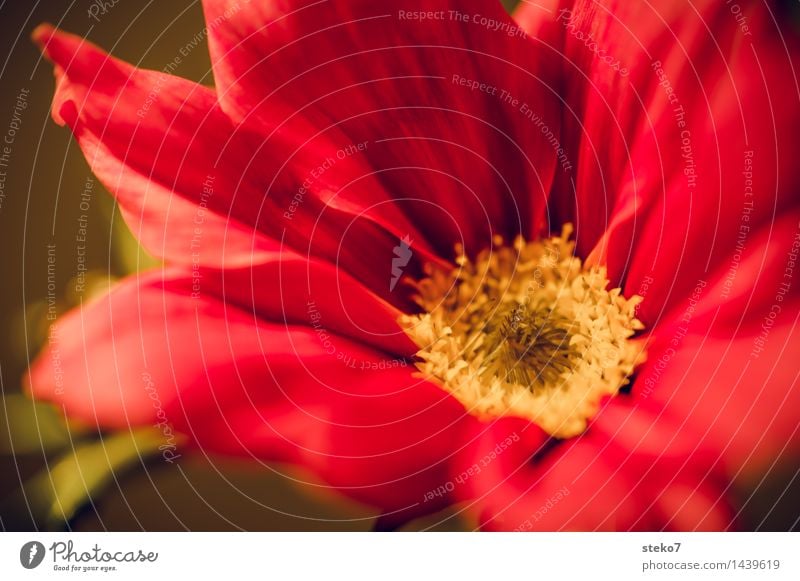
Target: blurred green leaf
509 5
30 427
53 497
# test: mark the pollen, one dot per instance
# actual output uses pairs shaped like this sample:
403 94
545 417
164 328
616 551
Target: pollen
526 330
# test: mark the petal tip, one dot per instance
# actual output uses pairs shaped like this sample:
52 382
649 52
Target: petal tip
42 34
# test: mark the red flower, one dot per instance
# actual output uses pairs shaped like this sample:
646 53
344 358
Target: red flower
351 145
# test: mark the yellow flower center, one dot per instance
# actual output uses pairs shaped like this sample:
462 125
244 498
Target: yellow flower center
526 330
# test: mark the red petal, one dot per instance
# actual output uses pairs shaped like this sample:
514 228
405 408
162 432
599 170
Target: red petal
674 478
135 127
461 163
149 354
381 436
723 359
291 290
737 292
96 362
738 392
198 189
720 363
698 84
588 483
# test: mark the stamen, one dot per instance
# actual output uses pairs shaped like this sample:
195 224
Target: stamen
526 330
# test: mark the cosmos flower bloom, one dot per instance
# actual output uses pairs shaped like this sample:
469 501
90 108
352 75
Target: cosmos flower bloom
370 268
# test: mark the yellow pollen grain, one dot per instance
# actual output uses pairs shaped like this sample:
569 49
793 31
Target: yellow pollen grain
526 330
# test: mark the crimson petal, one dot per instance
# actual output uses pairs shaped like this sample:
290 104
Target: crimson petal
148 354
668 106
198 188
521 480
421 83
